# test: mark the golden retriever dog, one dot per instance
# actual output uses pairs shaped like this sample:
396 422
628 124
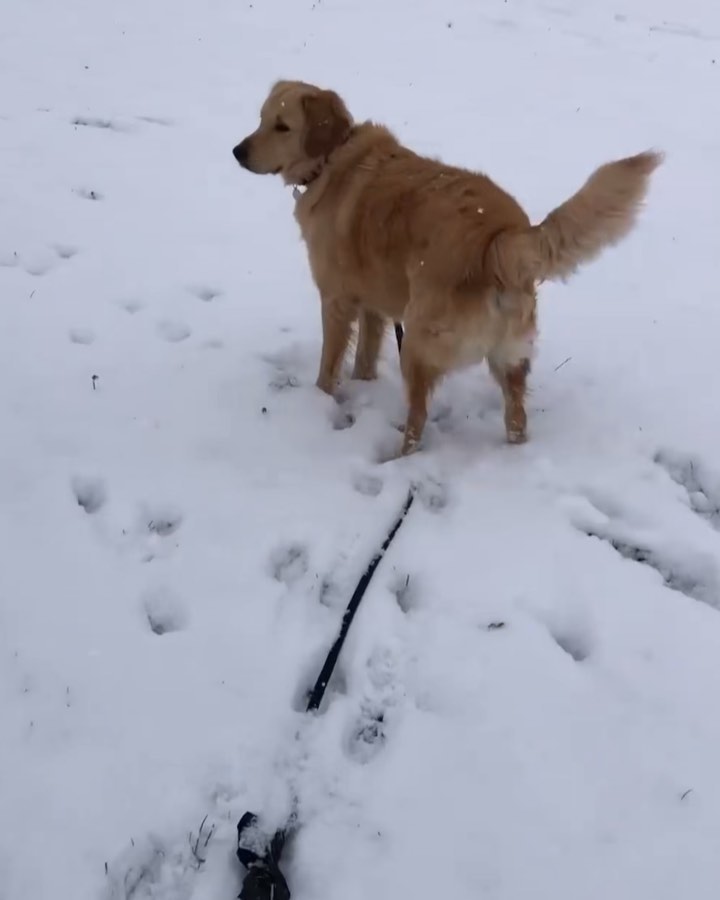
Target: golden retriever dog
394 236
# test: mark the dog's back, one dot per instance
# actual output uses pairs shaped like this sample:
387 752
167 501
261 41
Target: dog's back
385 212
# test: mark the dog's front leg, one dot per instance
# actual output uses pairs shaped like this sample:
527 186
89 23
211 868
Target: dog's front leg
371 331
337 320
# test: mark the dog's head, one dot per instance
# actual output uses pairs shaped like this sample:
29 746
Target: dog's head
300 126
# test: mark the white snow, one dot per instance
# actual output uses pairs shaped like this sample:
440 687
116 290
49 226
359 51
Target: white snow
183 516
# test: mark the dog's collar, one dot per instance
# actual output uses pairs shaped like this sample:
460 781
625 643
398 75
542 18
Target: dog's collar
317 172
314 175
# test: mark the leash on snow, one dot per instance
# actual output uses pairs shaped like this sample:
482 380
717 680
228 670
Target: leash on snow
263 878
259 855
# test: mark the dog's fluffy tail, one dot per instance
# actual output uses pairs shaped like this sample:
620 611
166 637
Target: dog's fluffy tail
599 215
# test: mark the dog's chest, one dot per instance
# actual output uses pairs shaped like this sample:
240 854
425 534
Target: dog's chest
328 247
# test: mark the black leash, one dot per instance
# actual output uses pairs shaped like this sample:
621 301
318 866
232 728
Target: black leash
317 693
263 879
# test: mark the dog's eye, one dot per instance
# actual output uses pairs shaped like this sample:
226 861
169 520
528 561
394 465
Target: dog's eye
281 126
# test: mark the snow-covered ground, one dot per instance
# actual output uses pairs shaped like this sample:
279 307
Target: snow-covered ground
183 516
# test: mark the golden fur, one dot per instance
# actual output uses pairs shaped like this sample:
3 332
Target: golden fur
392 235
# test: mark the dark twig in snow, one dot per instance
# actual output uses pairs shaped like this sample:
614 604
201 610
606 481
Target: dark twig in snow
195 842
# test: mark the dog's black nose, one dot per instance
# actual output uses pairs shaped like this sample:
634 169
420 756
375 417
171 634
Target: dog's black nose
241 152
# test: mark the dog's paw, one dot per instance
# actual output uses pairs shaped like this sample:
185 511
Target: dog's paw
517 437
326 385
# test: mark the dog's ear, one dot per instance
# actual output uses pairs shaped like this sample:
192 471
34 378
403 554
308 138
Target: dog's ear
327 123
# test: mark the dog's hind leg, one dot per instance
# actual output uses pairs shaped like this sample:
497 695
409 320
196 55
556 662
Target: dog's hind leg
513 382
370 336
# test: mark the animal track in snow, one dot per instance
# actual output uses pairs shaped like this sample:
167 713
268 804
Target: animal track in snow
65 251
173 331
442 417
701 485
289 562
285 363
383 691
404 589
204 293
574 640
81 336
131 306
38 261
367 735
327 592
162 520
282 380
8 258
88 193
433 494
90 493
367 483
37 268
342 417
164 610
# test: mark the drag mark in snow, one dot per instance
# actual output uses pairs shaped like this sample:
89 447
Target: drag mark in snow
101 123
156 120
684 569
677 29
